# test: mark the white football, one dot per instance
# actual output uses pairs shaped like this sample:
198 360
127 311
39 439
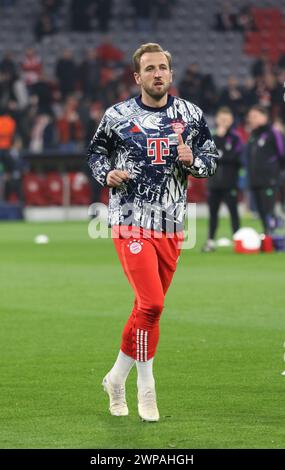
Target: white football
223 242
41 239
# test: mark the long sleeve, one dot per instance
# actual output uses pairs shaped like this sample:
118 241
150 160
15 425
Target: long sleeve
99 155
204 151
280 146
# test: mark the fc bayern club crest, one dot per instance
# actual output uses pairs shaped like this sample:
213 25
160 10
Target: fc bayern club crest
178 127
135 246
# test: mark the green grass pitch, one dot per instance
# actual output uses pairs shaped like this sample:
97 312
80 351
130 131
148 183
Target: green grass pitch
219 361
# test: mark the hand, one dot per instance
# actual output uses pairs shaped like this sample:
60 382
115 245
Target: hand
185 154
116 177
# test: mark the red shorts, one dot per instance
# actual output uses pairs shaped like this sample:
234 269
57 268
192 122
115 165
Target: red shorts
149 261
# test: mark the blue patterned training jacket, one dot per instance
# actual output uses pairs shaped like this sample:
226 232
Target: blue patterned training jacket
143 140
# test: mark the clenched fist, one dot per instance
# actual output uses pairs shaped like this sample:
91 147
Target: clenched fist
116 177
185 154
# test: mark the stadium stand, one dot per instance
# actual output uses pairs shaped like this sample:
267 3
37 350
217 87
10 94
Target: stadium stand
190 24
51 118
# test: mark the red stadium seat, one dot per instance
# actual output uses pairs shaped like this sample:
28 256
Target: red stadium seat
270 34
34 190
54 189
80 191
252 49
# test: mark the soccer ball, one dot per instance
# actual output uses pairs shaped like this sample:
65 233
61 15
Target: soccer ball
41 239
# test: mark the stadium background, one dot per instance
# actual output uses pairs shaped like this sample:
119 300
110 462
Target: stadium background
63 304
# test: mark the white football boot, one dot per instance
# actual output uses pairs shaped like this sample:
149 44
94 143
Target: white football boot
117 395
147 406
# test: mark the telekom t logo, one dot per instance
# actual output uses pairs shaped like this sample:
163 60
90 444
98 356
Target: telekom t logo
158 148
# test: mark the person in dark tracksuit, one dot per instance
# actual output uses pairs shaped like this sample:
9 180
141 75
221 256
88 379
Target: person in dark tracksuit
223 186
265 159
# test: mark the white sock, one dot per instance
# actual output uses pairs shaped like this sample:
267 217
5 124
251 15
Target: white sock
121 369
145 375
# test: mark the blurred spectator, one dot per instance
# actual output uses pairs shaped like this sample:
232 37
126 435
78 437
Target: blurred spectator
281 62
209 94
12 87
245 20
127 76
44 26
20 93
232 97
7 130
13 91
51 6
249 93
5 89
190 86
271 84
66 73
265 155
89 74
103 77
263 92
103 14
70 129
27 120
110 81
96 112
279 102
261 66
81 12
95 115
279 125
226 20
31 67
19 103
7 135
43 93
223 186
123 91
109 54
43 135
8 65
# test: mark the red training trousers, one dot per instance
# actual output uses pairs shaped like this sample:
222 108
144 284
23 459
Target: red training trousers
149 264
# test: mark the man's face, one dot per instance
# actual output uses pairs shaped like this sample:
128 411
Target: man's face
256 119
224 120
155 75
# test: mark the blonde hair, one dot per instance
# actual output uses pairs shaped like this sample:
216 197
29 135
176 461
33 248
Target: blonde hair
149 47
